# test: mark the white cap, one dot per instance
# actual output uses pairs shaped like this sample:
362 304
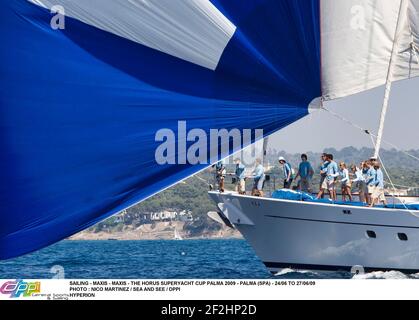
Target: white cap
281 159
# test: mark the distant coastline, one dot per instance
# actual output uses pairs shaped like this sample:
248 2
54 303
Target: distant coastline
156 231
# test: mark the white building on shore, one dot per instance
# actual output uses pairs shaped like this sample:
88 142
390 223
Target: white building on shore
170 215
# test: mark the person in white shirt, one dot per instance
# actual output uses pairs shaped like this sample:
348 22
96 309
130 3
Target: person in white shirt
345 182
259 177
288 173
359 181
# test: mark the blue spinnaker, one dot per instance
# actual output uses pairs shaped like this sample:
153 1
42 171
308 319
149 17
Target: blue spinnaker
80 109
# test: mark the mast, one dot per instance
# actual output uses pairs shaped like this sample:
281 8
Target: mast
383 118
402 12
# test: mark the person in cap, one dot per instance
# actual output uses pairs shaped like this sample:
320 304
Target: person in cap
288 176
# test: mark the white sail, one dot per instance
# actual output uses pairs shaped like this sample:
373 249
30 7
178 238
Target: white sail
414 19
177 236
406 64
357 44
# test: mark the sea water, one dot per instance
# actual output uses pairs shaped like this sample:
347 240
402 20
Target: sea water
187 259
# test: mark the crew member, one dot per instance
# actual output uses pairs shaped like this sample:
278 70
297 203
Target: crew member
345 182
240 177
305 172
259 179
288 176
323 173
220 175
359 182
378 186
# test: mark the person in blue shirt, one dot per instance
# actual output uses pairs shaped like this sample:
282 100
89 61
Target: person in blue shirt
240 177
378 186
323 170
259 179
329 183
288 176
370 178
305 172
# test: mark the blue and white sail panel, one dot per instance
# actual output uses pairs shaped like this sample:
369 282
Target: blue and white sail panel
80 107
192 30
357 44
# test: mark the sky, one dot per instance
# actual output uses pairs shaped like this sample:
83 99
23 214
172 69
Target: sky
321 130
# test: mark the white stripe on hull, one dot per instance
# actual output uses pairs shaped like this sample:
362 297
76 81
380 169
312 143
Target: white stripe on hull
315 236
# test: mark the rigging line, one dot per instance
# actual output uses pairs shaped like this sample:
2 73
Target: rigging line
370 133
385 170
395 189
405 152
201 179
402 186
340 117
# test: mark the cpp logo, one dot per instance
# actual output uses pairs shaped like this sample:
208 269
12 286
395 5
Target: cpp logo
20 288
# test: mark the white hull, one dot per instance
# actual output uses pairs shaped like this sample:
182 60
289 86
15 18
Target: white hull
313 236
